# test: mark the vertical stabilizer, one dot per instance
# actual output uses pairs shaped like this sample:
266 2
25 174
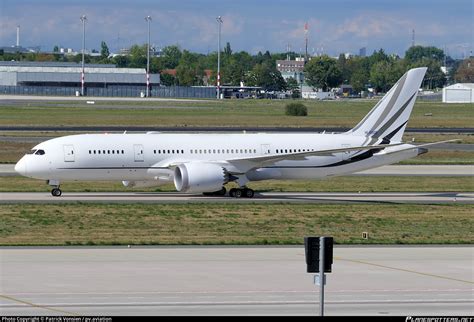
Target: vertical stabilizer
388 119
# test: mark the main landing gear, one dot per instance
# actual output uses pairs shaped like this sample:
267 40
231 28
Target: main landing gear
241 193
234 192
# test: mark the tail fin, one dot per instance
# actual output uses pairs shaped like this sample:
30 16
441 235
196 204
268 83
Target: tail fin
388 119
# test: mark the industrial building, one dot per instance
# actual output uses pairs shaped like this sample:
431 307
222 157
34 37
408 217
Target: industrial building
459 93
64 79
38 76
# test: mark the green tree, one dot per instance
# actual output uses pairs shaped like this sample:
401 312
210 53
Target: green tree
138 57
465 72
322 72
266 76
227 50
379 76
167 80
293 86
121 61
359 79
342 64
104 50
415 54
171 57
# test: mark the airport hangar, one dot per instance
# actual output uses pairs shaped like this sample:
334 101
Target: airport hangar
64 78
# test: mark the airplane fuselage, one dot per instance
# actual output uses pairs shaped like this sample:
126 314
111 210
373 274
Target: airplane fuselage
143 157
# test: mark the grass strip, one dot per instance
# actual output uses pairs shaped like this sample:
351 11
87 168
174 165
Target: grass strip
232 224
250 113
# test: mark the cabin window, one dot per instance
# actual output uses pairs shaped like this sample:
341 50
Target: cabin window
182 151
123 152
113 151
254 151
94 151
90 152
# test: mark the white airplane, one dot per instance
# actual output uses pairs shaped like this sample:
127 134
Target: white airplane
206 162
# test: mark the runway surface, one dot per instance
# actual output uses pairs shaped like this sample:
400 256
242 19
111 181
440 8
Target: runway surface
388 170
264 197
234 281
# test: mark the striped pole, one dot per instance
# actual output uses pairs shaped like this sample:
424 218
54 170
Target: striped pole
219 22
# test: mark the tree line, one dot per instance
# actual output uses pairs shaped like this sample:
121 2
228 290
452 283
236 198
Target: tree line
379 70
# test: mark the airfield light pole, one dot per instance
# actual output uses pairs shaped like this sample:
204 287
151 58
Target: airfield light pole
83 19
219 23
148 19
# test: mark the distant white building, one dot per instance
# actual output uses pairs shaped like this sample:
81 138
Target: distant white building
309 92
459 93
292 68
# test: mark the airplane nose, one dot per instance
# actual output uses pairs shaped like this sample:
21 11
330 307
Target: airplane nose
20 167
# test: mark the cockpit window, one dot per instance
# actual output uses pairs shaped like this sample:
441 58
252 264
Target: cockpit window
31 152
39 152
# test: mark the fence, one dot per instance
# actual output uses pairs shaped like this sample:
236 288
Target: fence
112 91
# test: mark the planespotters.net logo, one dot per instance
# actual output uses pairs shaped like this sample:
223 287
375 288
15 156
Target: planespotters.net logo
439 319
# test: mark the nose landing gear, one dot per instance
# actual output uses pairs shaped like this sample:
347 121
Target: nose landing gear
56 192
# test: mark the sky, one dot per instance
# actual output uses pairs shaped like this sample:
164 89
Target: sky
334 27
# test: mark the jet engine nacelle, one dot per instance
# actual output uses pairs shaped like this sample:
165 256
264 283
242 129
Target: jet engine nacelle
197 177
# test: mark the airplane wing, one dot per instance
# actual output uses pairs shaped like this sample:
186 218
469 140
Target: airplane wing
303 155
242 165
421 146
247 163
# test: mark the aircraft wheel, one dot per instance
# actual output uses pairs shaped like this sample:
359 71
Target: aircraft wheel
56 192
248 193
232 192
238 193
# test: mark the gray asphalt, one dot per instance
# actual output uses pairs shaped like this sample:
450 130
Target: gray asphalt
417 281
263 197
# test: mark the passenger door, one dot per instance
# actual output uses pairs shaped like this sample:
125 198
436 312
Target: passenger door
265 149
68 153
139 153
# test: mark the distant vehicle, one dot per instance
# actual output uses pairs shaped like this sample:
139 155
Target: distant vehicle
206 162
